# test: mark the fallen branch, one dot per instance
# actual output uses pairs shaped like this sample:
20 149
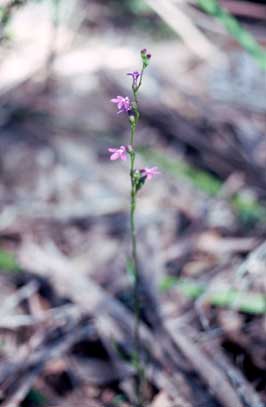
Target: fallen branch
214 377
25 374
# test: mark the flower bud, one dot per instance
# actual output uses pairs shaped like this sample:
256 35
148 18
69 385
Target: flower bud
131 117
145 57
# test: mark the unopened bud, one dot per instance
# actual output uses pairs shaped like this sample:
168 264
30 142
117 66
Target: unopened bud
129 149
131 117
145 57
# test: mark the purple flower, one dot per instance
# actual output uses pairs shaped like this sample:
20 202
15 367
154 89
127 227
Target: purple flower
118 153
123 104
135 75
150 172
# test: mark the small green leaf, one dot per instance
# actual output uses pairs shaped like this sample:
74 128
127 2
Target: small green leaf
210 6
8 262
140 183
119 399
138 6
167 283
36 398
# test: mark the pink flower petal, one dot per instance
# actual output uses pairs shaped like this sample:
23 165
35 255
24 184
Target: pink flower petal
118 153
115 156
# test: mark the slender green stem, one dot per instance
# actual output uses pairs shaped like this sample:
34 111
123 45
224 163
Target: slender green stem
137 305
137 358
134 257
141 77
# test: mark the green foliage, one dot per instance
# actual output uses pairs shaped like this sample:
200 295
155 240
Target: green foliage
138 16
4 16
119 400
131 6
36 398
248 210
8 262
6 13
138 6
244 301
243 37
200 179
188 287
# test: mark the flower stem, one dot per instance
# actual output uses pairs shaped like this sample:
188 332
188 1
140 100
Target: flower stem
140 372
136 293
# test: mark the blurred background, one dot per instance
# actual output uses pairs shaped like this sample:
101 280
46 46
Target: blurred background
64 205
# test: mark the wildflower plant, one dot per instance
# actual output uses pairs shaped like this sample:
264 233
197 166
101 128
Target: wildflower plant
138 177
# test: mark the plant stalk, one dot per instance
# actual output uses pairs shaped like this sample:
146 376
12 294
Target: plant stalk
136 294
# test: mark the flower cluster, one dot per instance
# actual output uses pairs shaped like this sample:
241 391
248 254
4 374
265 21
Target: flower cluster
145 56
121 154
125 105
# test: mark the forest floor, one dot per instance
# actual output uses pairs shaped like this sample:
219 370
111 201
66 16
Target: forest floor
66 319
